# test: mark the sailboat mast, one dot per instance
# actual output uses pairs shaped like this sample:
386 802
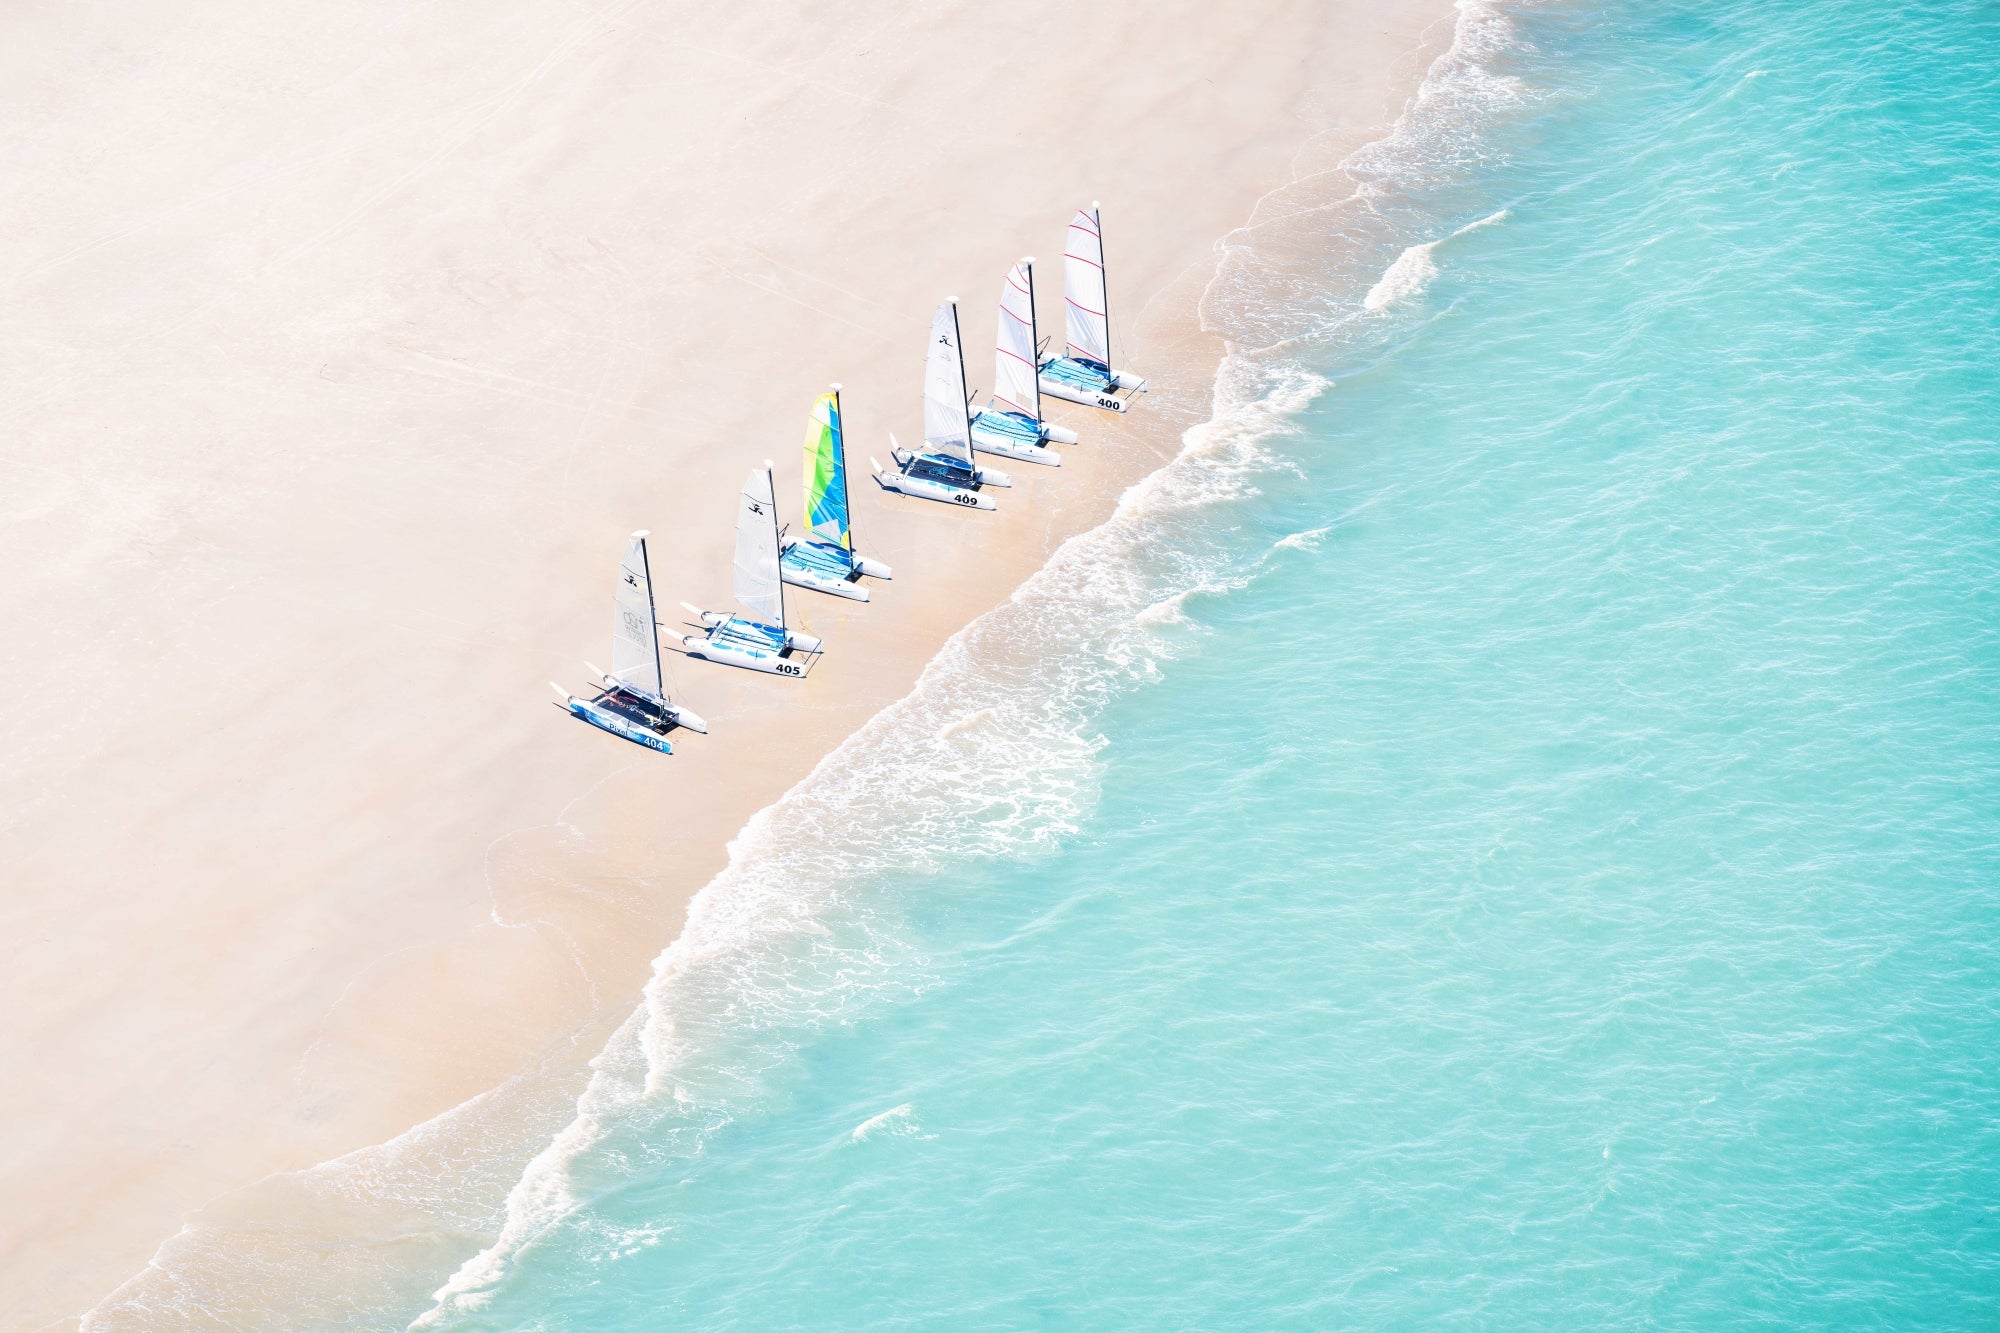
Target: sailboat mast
964 406
840 467
1104 273
777 549
1034 337
652 614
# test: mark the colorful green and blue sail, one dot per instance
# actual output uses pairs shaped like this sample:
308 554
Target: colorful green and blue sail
826 474
825 559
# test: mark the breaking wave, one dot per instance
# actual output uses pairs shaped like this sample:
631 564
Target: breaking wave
1415 269
895 1120
1406 278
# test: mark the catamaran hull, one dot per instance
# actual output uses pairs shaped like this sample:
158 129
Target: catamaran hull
1019 450
674 714
1080 380
816 565
818 582
1018 435
1089 398
617 726
932 490
707 650
795 640
751 657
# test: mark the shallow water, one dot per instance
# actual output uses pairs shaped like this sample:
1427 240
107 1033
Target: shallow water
1503 832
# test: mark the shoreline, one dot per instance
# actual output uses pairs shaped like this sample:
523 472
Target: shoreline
544 958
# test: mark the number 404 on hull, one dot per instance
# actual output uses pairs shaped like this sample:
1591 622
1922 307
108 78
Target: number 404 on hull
630 702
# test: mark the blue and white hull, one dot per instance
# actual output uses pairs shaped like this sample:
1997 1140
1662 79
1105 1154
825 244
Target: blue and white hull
932 477
734 641
1079 380
1015 435
921 489
636 732
826 568
629 716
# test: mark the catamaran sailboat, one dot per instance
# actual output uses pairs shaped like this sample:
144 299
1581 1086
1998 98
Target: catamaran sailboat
1083 374
824 559
632 704
1011 424
945 471
762 643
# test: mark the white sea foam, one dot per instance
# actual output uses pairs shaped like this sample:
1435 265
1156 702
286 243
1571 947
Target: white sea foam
1288 278
1408 277
1308 540
952 728
897 1120
1415 269
427 1188
1168 610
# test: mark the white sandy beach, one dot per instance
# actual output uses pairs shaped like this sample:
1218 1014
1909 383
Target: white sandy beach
344 347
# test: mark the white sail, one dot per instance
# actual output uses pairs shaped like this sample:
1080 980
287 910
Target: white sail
635 641
1088 326
757 585
947 424
1015 384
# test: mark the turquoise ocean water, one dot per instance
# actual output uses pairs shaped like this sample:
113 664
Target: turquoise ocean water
1504 832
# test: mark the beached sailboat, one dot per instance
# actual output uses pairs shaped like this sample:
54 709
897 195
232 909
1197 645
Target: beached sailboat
825 559
1011 423
632 702
1083 374
760 642
945 470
